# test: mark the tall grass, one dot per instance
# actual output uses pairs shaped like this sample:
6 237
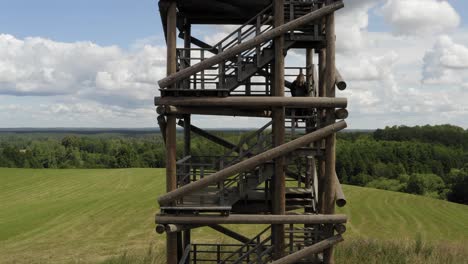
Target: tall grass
399 252
356 251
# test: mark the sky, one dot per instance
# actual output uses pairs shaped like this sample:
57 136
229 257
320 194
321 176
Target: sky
96 63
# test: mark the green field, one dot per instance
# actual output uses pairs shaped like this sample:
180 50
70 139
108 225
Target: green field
89 216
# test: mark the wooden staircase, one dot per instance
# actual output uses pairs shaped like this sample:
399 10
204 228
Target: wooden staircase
212 189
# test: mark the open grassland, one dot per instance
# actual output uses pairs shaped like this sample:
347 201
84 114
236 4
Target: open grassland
93 216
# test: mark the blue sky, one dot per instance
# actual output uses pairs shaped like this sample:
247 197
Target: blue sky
96 63
108 22
105 22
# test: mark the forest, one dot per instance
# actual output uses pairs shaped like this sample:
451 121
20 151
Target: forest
423 160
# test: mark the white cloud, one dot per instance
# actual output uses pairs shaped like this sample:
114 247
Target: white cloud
42 67
446 63
368 68
406 78
420 16
351 23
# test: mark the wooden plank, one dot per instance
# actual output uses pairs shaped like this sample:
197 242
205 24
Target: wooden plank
185 73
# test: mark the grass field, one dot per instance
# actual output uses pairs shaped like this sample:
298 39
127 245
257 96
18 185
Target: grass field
90 216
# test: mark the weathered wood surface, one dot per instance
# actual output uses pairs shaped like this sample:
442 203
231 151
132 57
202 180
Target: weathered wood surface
278 182
340 83
218 140
228 232
253 102
172 240
340 198
330 141
251 163
222 56
314 249
341 114
250 219
216 111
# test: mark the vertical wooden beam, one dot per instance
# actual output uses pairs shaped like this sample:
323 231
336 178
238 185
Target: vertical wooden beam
310 70
330 157
171 181
278 126
187 152
187 52
187 118
321 143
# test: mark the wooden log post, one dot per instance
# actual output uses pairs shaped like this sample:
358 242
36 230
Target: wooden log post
278 182
187 152
171 179
321 143
330 141
229 53
310 72
187 118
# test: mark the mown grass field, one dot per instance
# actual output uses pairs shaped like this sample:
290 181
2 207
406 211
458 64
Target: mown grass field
90 216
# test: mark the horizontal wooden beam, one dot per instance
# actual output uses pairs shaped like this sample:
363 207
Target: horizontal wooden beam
211 137
250 219
251 163
307 251
216 111
264 102
277 31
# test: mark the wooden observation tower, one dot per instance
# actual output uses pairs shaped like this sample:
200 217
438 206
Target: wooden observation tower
281 178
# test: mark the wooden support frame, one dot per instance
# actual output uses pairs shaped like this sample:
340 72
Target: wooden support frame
321 99
185 73
250 163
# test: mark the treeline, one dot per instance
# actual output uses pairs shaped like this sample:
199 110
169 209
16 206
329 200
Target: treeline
433 162
427 160
96 151
82 152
